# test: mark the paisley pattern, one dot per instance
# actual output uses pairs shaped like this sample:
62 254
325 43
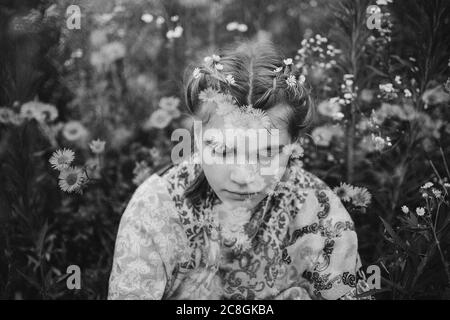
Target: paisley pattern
303 244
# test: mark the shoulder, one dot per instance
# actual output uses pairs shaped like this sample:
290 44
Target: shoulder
147 201
315 204
152 217
322 238
180 176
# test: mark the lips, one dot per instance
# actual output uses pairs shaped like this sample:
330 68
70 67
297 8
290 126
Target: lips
241 194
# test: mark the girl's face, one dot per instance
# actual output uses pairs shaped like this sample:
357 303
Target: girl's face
237 180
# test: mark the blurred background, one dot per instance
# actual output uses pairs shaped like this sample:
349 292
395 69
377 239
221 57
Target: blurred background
100 84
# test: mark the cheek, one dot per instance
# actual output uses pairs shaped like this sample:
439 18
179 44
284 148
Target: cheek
215 174
276 166
284 159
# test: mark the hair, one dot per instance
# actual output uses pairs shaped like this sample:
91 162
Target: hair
252 64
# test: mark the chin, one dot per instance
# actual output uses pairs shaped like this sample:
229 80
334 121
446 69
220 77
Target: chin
248 204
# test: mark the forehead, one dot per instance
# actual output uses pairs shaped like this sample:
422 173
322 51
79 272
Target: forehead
278 115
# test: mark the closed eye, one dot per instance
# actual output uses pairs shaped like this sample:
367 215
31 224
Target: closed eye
270 152
218 148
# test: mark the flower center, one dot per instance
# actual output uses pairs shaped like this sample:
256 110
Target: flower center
71 179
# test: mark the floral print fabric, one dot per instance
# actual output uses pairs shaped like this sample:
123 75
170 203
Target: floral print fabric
303 244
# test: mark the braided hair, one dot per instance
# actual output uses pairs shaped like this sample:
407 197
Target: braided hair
261 78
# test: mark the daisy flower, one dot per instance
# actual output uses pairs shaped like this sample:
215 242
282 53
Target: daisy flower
407 93
71 179
427 185
29 111
301 79
6 115
256 118
329 107
147 17
74 130
159 119
437 193
225 108
160 20
39 111
294 150
48 111
234 119
344 191
223 98
361 197
405 209
386 87
61 159
97 146
169 103
207 60
209 94
216 58
420 211
230 79
291 82
196 73
219 66
278 69
242 27
287 61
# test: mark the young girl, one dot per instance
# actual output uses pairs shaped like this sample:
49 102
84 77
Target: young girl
219 229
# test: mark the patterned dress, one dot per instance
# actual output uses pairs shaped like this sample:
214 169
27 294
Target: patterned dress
303 244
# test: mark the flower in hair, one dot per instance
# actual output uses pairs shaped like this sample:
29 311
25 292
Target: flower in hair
208 95
230 79
291 82
216 58
287 61
234 119
301 79
225 108
196 73
294 150
247 117
219 66
222 98
278 69
257 118
208 59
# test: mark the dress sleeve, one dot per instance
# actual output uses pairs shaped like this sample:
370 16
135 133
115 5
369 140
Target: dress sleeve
148 244
329 247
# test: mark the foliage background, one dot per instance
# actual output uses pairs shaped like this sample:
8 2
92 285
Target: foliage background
107 78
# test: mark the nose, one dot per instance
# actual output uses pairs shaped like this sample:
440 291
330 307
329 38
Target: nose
242 175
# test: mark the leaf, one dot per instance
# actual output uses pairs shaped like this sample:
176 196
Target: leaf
402 61
30 280
379 72
394 236
41 238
